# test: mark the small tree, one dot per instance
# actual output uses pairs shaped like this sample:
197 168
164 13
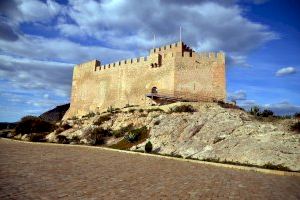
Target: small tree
254 111
297 115
267 113
32 124
148 147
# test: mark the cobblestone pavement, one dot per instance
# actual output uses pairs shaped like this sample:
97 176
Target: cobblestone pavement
47 171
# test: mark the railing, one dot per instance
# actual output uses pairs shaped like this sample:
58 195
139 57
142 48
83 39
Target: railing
184 98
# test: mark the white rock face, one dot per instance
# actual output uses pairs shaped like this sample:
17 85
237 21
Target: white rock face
225 135
211 133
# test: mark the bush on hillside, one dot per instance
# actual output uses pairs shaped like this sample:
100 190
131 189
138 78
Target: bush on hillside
75 139
297 115
90 114
267 113
102 119
62 139
37 137
154 110
229 105
96 135
183 108
135 134
148 147
32 124
122 131
254 111
296 127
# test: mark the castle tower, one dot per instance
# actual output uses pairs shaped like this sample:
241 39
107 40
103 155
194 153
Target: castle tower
174 70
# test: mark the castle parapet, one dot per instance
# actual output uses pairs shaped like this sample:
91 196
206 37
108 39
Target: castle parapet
90 65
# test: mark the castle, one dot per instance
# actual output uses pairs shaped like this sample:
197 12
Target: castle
174 71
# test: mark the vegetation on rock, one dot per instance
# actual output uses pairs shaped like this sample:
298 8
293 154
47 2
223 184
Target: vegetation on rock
182 108
148 147
32 124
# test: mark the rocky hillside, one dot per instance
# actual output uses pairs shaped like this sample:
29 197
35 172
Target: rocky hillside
56 114
212 133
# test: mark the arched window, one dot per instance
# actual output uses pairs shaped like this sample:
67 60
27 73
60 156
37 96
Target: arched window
154 90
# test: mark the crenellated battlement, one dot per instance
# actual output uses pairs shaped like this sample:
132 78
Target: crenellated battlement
147 60
175 69
174 48
157 57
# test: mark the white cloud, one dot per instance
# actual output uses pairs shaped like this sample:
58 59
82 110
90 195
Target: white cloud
20 11
286 71
32 75
42 48
283 108
237 95
206 25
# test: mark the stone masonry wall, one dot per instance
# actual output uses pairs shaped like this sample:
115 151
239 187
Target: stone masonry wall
200 76
174 69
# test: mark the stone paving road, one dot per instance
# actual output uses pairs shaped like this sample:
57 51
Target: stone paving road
47 171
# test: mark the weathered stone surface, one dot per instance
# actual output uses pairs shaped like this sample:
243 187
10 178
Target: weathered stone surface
175 70
211 133
225 135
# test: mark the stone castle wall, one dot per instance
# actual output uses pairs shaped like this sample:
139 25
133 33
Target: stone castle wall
174 69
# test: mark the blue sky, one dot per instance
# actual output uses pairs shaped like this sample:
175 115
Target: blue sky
40 41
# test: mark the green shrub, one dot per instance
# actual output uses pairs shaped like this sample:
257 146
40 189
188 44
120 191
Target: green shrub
111 109
74 118
102 119
254 111
90 114
128 105
297 115
148 147
131 110
95 135
62 139
155 110
32 124
75 139
5 133
296 127
135 134
275 167
125 144
122 131
141 110
183 108
37 137
267 113
229 105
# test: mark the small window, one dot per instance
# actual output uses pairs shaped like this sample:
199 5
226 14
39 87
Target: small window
154 90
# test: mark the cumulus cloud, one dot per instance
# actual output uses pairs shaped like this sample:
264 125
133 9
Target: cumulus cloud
207 25
28 74
237 95
286 71
19 11
59 49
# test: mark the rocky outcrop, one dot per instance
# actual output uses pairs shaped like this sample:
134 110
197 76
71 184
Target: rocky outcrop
212 133
56 114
